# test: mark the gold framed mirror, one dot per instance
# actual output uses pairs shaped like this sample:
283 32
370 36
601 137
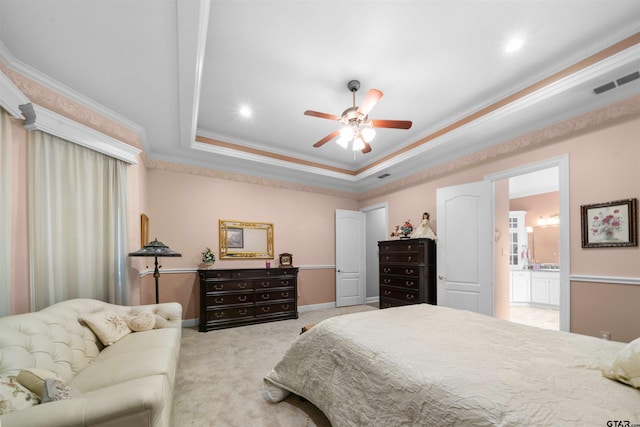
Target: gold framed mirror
242 240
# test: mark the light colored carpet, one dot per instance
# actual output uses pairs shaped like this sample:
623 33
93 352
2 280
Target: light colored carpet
220 375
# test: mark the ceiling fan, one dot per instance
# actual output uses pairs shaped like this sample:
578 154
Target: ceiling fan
357 125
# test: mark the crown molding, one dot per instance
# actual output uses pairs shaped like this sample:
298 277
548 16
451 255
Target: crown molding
11 97
42 119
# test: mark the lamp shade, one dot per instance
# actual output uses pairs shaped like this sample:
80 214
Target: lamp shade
155 248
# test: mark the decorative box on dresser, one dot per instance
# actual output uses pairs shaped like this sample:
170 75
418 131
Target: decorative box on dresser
247 296
407 272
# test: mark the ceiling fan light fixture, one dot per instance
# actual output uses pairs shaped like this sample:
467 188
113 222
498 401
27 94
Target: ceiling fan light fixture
358 143
343 142
368 134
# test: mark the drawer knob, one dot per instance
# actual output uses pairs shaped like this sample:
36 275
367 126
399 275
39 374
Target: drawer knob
285 306
409 247
386 269
409 258
242 285
265 296
242 298
410 297
218 287
284 294
387 292
386 280
219 300
264 284
242 312
219 314
409 283
266 309
409 271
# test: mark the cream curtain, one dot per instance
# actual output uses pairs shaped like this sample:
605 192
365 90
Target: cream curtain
5 212
77 223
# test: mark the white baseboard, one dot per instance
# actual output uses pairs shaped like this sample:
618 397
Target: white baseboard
311 307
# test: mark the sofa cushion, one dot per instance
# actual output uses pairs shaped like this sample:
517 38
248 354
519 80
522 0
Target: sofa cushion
14 396
34 379
120 367
107 325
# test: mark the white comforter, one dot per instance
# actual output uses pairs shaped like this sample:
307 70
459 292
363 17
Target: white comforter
424 365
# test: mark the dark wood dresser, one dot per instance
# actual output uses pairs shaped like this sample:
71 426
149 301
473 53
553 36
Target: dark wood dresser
247 296
407 272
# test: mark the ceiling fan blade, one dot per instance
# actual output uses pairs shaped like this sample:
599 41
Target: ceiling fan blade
327 138
393 124
367 148
369 101
321 115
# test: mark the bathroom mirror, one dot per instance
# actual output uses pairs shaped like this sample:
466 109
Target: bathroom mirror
245 240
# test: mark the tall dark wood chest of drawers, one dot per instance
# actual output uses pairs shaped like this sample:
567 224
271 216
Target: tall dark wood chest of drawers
407 272
247 296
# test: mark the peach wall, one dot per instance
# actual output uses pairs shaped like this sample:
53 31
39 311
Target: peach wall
606 307
184 210
19 237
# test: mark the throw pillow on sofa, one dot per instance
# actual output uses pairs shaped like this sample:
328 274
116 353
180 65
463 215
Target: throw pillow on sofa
14 396
107 325
143 321
34 378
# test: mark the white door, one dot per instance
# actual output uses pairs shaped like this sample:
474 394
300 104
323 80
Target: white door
465 247
350 284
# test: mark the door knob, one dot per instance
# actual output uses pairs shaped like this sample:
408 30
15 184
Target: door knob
441 277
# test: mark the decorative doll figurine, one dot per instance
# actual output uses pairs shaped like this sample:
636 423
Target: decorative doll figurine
424 229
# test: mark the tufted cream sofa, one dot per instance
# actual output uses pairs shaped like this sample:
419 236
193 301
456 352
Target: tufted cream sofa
129 383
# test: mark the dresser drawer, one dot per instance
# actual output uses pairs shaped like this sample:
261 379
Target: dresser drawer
278 308
408 295
229 313
405 271
401 258
388 303
401 282
228 285
275 283
219 299
280 294
398 246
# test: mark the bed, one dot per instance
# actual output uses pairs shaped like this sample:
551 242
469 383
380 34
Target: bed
424 365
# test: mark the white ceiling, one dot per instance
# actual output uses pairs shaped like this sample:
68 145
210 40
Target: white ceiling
174 69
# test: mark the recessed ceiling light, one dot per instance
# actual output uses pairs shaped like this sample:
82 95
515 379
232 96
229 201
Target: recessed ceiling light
514 44
245 111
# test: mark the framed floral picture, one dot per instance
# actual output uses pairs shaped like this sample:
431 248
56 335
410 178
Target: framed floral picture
610 224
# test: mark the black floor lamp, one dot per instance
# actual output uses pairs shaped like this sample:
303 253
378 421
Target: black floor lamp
155 249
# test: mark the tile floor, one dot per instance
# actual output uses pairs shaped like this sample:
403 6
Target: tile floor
541 317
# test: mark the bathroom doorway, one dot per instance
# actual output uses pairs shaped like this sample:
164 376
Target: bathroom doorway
534 248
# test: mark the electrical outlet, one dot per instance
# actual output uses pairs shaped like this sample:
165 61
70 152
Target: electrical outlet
605 335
